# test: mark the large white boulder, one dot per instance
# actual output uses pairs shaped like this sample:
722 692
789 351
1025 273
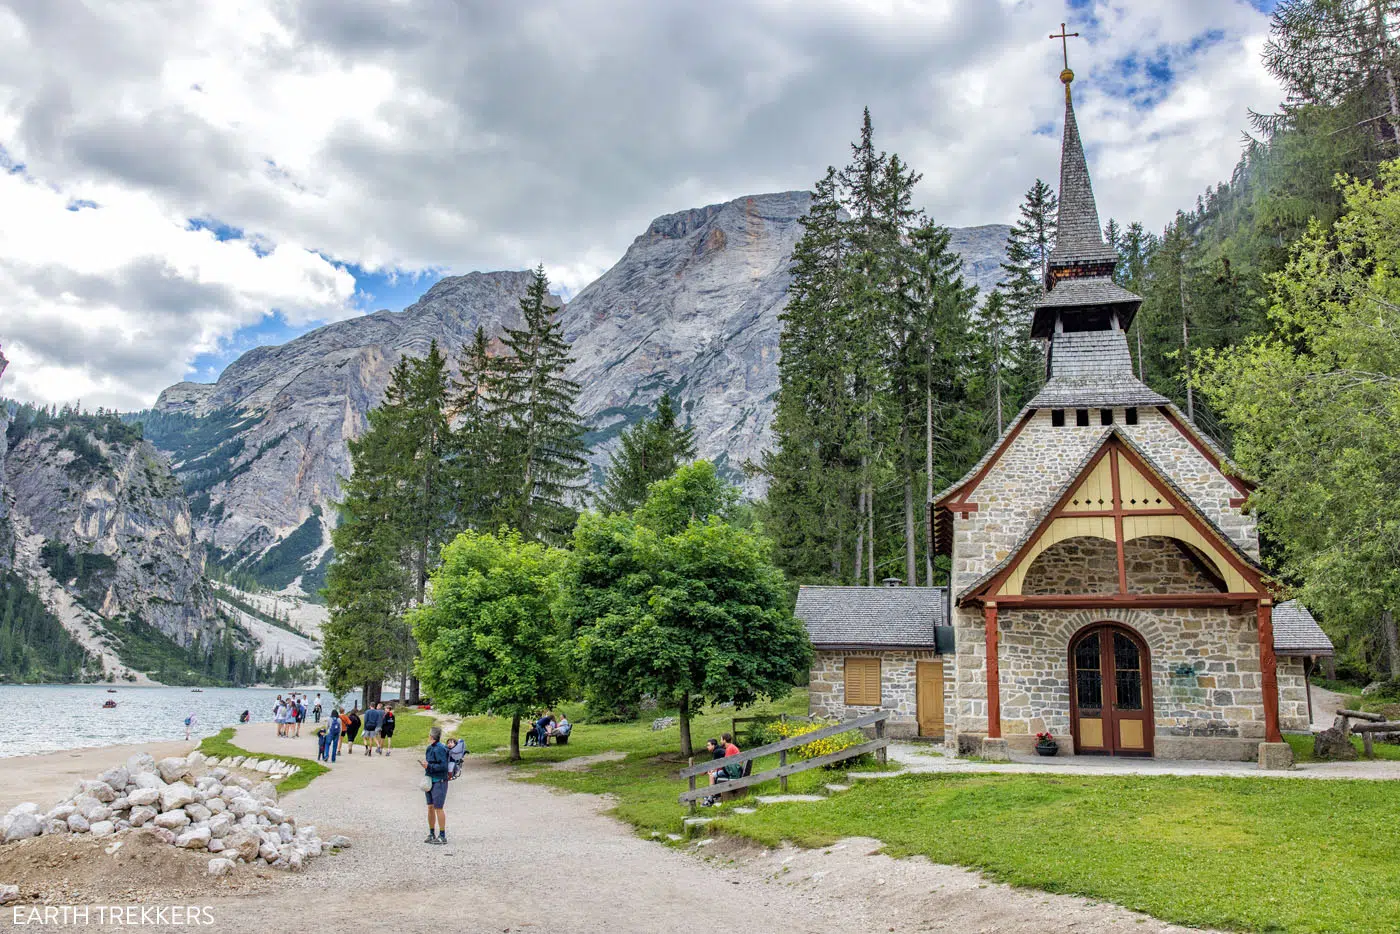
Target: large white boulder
285 832
117 777
172 820
268 852
195 760
148 779
143 797
22 826
172 768
77 823
195 839
216 845
142 815
140 762
61 812
266 791
101 791
219 866
243 805
243 844
176 796
8 893
103 828
216 805
197 811
97 813
220 825
339 842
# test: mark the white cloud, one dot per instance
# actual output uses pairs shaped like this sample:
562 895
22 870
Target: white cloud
435 134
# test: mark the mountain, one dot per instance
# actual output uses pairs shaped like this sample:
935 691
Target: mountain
99 532
691 308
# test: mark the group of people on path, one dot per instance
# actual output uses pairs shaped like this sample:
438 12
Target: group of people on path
289 713
377 724
720 749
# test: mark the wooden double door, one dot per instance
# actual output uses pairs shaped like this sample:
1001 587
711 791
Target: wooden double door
1110 692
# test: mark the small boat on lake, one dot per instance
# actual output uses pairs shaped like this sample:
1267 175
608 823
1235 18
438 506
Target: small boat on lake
111 690
110 704
196 690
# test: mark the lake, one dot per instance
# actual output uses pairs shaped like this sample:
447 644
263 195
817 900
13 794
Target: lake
50 718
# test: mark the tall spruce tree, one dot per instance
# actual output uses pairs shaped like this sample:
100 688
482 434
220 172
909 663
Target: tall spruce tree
648 451
474 463
1028 246
541 445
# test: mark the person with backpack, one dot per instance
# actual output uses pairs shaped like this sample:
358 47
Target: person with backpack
189 725
354 729
316 711
373 718
386 730
436 771
333 730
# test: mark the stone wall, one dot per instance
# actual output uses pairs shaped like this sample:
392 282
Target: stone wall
1090 565
1206 684
1292 696
827 687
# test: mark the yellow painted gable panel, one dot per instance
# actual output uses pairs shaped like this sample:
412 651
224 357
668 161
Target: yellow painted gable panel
1138 492
1095 494
1058 530
1177 527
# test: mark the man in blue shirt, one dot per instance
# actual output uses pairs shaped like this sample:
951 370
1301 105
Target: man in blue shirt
434 764
374 717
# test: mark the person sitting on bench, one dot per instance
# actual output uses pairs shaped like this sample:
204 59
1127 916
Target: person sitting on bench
561 730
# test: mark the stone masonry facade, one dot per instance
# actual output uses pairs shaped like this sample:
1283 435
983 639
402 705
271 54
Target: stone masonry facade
1205 672
827 696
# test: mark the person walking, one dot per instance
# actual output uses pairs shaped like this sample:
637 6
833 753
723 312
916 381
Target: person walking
299 714
386 730
434 764
316 711
373 718
354 727
189 725
279 716
333 727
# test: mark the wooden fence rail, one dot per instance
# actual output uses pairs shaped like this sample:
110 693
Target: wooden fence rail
784 769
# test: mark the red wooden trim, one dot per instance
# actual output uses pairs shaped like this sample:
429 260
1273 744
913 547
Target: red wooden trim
1208 572
976 478
989 612
1120 601
1239 483
1268 666
1110 513
1238 501
1117 501
1228 548
995 583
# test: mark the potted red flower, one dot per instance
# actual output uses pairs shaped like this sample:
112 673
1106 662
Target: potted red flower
1045 744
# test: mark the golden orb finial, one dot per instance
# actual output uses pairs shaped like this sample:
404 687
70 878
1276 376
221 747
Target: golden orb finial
1066 76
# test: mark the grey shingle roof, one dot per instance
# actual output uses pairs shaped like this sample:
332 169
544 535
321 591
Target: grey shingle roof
1078 238
1093 290
1090 369
1297 633
878 617
1073 476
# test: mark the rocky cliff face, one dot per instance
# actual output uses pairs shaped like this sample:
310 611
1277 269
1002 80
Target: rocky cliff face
691 308
7 543
112 525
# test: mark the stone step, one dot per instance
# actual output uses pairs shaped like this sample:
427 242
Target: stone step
783 799
743 811
834 788
871 776
696 821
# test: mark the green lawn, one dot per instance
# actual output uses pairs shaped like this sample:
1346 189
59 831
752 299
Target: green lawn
1246 854
1303 748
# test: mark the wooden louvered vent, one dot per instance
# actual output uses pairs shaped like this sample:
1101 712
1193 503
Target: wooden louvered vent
863 682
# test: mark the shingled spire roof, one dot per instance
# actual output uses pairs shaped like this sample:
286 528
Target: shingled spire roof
1080 292
1078 238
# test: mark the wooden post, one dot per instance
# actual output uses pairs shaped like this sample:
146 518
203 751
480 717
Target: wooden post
1366 744
782 761
691 761
994 675
1268 666
1308 670
880 734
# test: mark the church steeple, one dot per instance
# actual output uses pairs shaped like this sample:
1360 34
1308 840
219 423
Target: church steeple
1080 294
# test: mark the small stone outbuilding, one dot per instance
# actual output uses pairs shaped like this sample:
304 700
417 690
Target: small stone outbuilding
880 648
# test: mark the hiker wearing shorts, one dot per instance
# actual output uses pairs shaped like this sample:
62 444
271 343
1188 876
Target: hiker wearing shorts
435 767
386 730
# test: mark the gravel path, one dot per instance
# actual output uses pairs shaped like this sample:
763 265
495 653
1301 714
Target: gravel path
524 858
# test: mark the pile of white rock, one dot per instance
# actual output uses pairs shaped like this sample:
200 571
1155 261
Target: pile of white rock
190 802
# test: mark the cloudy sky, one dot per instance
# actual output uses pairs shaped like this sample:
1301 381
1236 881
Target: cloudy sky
183 180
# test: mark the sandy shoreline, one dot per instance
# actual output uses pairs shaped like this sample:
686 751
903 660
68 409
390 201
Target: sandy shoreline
48 778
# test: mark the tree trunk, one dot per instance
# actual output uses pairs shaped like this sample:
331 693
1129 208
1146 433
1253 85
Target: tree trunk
860 536
870 536
412 689
928 485
1392 642
1186 340
911 567
403 686
1392 95
515 738
684 717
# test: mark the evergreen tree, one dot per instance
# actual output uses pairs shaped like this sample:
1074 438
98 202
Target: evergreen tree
1020 363
647 452
541 445
474 461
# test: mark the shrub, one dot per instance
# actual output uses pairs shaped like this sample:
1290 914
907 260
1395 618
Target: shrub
824 746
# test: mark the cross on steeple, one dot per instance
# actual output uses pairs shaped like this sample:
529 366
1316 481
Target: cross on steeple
1064 38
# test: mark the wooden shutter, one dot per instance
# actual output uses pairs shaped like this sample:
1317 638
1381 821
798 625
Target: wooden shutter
863 682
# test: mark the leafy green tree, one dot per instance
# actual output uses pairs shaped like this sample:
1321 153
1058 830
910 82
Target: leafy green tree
693 612
541 445
694 493
649 451
1315 412
489 639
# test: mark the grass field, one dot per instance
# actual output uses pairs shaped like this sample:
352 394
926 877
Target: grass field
1244 854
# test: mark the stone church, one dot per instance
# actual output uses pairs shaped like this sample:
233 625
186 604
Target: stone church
1105 586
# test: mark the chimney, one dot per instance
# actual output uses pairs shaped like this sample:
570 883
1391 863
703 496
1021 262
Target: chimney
893 582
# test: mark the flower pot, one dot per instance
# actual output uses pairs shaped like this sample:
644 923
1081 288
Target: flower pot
1047 749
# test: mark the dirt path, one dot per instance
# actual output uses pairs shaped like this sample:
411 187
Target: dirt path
1325 705
523 858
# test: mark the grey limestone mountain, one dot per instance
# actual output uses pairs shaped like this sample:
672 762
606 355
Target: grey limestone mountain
102 533
691 308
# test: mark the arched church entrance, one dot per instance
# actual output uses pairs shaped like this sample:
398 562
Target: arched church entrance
1110 691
